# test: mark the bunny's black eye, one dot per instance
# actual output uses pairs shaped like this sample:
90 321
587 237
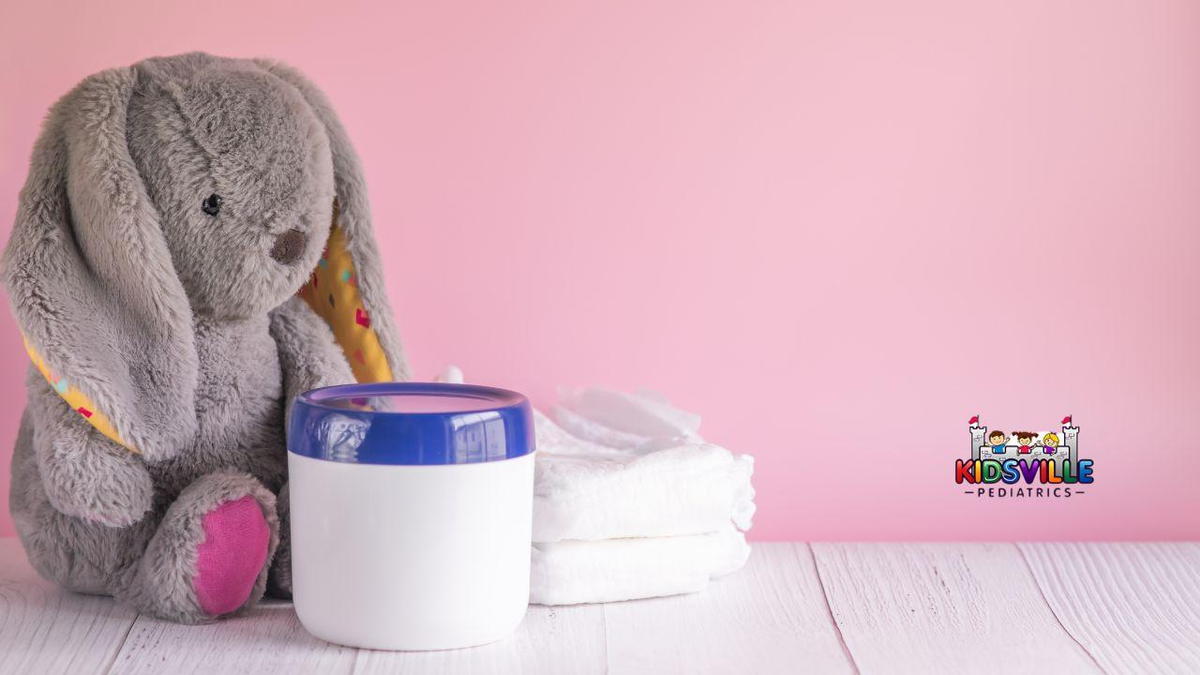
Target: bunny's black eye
211 205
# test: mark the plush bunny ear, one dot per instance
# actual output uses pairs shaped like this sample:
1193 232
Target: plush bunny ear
347 288
90 278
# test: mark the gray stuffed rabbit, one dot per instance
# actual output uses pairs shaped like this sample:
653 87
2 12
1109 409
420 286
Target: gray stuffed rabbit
192 249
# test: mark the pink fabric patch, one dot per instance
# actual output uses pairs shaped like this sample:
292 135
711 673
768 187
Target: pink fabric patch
233 553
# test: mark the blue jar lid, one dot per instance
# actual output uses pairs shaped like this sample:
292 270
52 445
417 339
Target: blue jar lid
411 423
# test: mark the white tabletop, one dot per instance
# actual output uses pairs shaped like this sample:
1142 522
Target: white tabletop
822 608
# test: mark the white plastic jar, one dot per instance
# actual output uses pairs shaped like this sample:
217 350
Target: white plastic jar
411 512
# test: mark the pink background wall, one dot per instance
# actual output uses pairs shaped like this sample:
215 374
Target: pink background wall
836 229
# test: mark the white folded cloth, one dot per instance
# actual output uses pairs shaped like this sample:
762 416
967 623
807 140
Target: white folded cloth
573 572
584 490
641 421
629 501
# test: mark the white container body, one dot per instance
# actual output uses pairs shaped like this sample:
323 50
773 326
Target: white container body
410 557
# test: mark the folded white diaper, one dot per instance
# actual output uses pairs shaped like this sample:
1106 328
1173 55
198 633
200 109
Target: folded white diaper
630 502
643 421
573 572
588 491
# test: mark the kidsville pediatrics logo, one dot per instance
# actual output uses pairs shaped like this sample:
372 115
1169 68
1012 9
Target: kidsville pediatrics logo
1024 464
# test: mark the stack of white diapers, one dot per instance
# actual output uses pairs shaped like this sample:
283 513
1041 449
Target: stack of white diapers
630 502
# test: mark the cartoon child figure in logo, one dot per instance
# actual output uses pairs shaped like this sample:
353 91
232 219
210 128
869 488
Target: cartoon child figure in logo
1050 443
997 440
1024 441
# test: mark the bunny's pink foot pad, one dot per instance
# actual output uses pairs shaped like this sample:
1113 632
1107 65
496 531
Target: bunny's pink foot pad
228 562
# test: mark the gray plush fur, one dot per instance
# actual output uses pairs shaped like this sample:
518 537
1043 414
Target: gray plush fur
182 327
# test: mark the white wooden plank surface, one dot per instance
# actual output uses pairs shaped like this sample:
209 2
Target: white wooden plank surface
560 640
267 639
944 608
924 608
44 629
1135 607
771 617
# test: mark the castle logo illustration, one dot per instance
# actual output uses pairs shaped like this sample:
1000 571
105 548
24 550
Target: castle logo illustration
1024 464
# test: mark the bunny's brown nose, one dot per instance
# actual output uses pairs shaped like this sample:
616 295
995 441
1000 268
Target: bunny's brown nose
288 246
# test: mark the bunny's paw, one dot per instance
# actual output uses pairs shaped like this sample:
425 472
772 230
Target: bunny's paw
234 551
97 483
210 555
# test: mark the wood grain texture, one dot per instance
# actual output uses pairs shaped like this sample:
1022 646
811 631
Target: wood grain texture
1135 607
944 608
920 608
771 617
44 629
556 640
267 639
